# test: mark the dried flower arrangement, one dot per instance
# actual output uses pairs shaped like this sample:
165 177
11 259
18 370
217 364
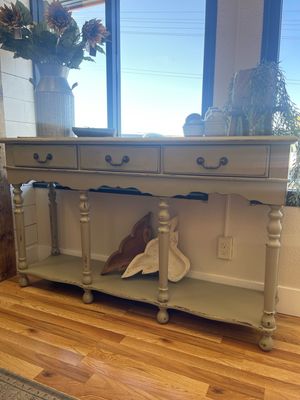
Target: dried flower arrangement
56 40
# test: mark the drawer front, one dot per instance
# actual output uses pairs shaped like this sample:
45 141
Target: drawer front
231 160
120 158
41 156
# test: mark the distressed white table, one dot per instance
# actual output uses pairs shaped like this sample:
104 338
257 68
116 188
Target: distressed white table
253 167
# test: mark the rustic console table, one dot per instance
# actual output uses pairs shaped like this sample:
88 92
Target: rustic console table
253 167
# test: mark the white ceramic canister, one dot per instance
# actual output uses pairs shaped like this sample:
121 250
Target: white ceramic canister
215 122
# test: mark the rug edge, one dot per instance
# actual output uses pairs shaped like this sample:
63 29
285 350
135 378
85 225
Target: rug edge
36 385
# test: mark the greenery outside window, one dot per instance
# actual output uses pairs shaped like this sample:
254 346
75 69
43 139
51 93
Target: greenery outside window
280 38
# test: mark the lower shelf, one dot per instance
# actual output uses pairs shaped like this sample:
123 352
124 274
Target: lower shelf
206 299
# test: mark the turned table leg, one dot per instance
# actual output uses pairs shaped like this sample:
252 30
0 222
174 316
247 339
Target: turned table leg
163 238
20 234
53 220
85 245
271 277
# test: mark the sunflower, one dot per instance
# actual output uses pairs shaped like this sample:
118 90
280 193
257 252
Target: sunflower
93 33
57 17
10 17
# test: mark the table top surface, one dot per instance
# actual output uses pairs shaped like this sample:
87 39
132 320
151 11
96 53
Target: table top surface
158 141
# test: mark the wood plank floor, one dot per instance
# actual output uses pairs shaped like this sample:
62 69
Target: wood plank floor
115 350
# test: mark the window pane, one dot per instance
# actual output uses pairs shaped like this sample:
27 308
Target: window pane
90 94
290 42
162 47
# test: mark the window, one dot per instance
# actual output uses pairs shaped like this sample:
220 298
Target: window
281 36
90 94
162 49
289 43
159 64
280 41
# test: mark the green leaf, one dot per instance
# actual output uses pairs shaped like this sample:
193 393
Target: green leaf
25 13
99 48
76 59
39 28
70 36
89 59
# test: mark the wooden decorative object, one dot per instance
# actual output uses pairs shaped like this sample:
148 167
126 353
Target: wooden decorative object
130 246
177 263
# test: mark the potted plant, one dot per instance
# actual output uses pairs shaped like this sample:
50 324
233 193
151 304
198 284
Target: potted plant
54 45
259 104
258 96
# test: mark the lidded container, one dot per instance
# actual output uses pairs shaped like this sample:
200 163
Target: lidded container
215 122
194 125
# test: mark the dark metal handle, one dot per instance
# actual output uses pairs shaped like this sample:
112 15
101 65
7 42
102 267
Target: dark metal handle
108 159
222 161
36 156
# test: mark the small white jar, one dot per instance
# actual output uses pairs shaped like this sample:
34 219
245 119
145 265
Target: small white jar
215 122
194 125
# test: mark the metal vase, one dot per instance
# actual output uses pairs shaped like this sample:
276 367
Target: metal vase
54 102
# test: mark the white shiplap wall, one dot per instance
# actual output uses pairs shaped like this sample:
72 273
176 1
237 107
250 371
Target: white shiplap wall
19 120
18 98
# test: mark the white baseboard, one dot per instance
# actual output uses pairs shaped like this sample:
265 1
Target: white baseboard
289 298
77 253
45 251
226 280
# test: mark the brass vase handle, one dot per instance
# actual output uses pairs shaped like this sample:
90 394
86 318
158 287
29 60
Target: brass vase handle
201 161
108 159
36 157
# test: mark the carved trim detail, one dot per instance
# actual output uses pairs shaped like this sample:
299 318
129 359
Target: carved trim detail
274 226
20 228
85 238
163 239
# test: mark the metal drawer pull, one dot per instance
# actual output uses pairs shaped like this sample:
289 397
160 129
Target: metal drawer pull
222 161
36 156
108 159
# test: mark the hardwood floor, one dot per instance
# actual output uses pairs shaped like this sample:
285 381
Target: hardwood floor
115 350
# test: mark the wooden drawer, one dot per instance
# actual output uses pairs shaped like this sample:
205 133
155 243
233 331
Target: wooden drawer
44 156
120 158
221 160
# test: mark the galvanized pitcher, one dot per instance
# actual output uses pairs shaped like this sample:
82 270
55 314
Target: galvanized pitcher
54 101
